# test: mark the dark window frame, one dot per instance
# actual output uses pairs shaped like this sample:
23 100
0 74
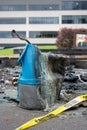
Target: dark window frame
12 7
8 34
46 7
13 20
43 20
43 34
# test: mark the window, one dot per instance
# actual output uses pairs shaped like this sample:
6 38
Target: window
67 5
12 20
7 34
43 20
43 7
74 19
67 19
12 7
82 19
74 5
42 34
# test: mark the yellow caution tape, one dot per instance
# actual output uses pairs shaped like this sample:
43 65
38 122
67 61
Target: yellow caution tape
54 113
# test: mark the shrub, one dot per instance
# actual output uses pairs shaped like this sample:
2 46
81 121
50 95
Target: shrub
66 37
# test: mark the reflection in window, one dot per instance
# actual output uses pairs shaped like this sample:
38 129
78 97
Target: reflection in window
74 5
43 20
76 19
7 34
12 7
44 7
68 19
12 20
42 34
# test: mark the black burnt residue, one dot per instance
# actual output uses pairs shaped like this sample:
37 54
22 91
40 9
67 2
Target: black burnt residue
57 64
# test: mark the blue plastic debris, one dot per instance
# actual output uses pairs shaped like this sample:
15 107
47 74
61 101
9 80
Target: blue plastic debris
4 100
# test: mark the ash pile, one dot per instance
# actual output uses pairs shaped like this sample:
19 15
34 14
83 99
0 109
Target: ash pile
74 84
8 83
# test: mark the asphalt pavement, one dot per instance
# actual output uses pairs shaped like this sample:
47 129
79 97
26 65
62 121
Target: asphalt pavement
12 116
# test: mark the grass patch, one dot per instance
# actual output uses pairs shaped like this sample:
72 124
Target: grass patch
47 47
10 52
6 52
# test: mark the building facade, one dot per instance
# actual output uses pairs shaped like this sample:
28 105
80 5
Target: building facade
39 21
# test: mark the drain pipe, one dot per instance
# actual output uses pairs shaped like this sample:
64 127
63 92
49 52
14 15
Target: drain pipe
14 33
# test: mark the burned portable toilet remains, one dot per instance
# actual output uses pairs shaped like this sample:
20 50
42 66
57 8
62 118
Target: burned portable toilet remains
29 80
41 78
